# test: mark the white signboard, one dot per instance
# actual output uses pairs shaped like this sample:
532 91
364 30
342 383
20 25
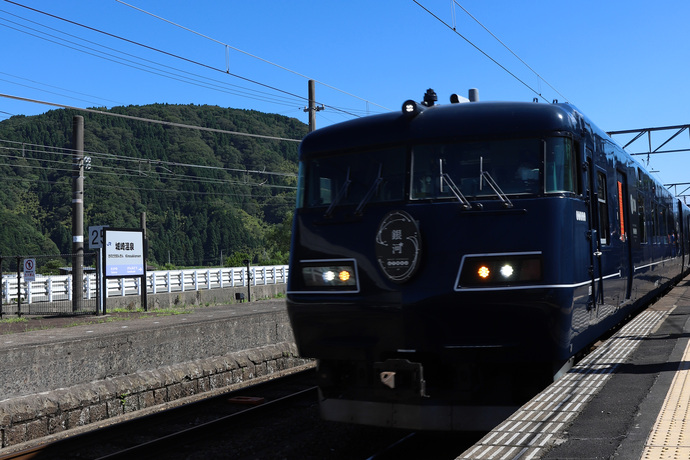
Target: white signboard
29 269
124 252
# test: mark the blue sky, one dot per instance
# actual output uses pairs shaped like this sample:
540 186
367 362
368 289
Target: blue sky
623 63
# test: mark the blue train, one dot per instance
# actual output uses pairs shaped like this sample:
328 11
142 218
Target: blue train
450 261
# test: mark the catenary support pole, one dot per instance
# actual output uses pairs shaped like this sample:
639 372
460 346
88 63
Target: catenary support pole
312 108
77 212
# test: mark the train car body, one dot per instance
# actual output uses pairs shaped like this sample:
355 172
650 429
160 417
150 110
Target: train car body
448 262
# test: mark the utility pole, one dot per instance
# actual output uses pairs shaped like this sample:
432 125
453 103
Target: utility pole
77 212
312 109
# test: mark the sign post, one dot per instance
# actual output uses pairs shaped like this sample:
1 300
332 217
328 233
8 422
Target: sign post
123 257
96 242
29 270
29 276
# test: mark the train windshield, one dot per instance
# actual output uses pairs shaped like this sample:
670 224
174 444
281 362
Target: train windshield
354 179
465 170
478 169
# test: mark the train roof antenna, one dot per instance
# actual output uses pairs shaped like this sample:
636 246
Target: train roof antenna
430 98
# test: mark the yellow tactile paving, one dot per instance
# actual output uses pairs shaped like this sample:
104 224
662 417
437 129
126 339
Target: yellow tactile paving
670 437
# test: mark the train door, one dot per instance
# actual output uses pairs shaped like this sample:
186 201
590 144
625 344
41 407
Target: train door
686 241
678 239
596 291
624 222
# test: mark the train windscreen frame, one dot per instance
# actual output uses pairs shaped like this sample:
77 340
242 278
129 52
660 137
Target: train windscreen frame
518 166
528 166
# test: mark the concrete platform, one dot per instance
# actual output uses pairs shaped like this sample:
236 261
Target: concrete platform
49 359
628 399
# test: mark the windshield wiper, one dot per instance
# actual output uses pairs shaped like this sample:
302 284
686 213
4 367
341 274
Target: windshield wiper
492 183
370 192
456 191
339 196
451 185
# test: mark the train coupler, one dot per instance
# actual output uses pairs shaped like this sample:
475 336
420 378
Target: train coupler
402 376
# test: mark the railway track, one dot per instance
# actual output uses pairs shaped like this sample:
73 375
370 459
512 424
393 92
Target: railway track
161 434
167 446
275 420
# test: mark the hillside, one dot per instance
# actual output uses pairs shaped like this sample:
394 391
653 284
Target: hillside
206 194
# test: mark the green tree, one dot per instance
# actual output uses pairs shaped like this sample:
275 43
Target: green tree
193 213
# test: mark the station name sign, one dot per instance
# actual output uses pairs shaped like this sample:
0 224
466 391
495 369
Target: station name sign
124 252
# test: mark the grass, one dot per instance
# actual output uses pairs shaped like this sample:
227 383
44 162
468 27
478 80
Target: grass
14 320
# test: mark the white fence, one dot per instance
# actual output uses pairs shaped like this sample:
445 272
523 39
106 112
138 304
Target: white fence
54 288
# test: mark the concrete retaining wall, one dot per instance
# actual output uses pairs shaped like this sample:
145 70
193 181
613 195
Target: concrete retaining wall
64 378
36 416
65 357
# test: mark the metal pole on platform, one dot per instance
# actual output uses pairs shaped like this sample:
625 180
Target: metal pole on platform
144 298
248 279
99 281
19 287
2 288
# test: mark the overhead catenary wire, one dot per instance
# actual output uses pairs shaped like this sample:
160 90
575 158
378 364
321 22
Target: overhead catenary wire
164 70
65 179
151 48
148 120
185 59
69 152
478 49
132 173
21 152
49 86
506 47
251 55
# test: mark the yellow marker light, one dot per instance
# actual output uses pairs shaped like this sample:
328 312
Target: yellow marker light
344 276
507 271
483 272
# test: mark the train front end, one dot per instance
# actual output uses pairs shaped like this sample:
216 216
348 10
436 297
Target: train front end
430 274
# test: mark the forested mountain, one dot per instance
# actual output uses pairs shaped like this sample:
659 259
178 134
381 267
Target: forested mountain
206 194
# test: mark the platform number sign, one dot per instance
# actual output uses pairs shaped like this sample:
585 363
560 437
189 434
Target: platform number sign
96 236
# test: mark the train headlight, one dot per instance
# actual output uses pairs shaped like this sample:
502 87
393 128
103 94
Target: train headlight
411 108
329 275
510 269
507 271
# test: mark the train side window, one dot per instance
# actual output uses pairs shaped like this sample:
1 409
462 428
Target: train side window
560 166
604 227
326 191
641 220
654 232
663 224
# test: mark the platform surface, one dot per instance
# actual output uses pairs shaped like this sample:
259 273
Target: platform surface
629 399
